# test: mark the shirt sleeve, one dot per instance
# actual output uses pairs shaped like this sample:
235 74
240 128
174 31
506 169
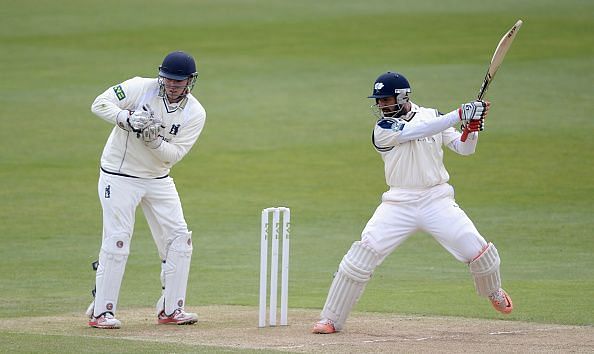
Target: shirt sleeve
116 99
172 152
393 131
451 139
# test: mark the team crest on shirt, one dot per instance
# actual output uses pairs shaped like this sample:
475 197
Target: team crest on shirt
397 126
391 124
119 91
174 129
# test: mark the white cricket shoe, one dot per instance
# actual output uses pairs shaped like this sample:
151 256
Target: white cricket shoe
179 317
105 321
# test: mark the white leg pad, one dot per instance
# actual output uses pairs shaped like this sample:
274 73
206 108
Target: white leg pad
90 309
485 271
354 272
174 274
112 263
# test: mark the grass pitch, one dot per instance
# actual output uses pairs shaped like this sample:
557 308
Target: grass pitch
284 85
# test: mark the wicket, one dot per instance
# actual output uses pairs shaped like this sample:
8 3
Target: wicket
286 220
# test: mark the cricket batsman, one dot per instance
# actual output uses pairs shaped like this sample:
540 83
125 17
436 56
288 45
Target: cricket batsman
157 121
409 139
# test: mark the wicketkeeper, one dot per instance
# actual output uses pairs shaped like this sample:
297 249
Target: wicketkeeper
409 139
157 121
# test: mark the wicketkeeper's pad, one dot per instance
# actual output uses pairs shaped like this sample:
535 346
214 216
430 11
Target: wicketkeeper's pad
174 274
112 263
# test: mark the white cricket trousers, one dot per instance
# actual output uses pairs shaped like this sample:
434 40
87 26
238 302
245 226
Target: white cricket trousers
160 202
433 210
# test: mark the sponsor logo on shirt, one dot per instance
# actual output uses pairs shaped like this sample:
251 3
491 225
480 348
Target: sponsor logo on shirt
119 91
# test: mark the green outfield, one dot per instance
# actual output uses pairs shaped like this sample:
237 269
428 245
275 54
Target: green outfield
284 84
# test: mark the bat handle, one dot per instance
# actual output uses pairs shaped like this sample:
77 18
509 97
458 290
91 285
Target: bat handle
479 97
464 134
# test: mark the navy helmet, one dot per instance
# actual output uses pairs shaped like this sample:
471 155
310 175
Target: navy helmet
178 65
391 84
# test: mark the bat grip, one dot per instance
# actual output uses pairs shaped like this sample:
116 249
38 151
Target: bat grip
464 134
479 97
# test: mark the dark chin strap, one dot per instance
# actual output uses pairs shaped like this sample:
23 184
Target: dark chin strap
398 112
401 112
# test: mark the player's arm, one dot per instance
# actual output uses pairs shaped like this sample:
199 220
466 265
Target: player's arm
116 104
173 151
451 139
392 131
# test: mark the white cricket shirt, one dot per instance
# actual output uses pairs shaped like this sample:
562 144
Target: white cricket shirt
124 152
411 147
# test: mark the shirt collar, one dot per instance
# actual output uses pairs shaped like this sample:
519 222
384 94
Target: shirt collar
413 110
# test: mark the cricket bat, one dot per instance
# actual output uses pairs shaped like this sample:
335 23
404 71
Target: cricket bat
496 61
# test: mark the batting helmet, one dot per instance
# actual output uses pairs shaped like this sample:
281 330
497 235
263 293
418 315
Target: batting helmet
391 84
179 66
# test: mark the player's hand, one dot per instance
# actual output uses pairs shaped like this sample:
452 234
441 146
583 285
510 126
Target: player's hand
123 121
475 110
139 120
151 135
477 125
152 132
155 143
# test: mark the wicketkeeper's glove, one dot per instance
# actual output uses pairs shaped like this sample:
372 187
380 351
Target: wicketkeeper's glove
151 135
136 121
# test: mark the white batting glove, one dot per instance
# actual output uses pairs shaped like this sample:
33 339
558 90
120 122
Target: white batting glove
475 110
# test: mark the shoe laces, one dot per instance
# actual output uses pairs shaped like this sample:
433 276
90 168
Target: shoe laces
104 316
176 314
498 297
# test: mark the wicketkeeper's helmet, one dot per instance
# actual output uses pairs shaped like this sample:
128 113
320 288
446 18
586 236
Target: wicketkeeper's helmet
179 66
